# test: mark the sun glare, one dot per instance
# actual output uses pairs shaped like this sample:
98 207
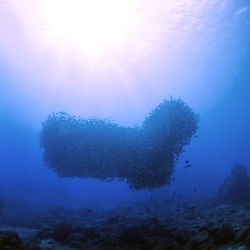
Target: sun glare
80 51
65 38
90 25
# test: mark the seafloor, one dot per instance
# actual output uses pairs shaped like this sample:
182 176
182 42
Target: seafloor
178 223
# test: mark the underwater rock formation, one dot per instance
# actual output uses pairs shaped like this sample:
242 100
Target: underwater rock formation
144 155
236 187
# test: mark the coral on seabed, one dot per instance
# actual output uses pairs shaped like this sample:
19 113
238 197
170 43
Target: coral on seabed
144 155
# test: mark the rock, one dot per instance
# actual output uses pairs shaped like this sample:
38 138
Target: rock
224 235
31 244
1 221
244 234
107 242
199 240
61 231
84 212
47 244
235 189
44 233
75 244
131 235
91 233
111 220
160 231
247 207
203 227
9 240
171 244
247 241
77 237
241 248
244 237
181 237
189 217
154 220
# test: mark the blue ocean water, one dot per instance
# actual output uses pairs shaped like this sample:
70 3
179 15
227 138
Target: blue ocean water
201 54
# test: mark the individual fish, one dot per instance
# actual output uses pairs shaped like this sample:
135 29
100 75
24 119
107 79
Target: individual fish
195 190
188 166
186 161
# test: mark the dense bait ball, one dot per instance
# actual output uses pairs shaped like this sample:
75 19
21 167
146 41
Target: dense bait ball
144 156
